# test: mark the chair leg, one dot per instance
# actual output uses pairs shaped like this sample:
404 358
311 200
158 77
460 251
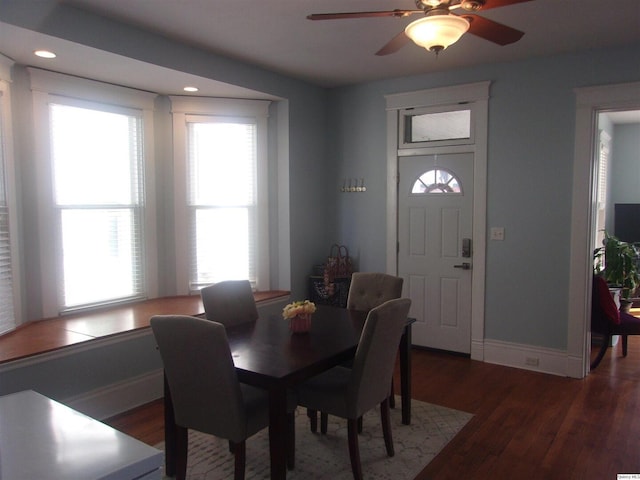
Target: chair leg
291 441
392 398
313 419
354 449
624 345
385 419
240 455
603 349
324 422
359 424
182 444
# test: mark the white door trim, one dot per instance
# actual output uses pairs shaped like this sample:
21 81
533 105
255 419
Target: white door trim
478 94
589 101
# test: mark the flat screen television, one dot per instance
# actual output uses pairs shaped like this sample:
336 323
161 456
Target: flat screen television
627 222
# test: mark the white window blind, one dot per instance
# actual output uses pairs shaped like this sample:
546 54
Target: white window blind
222 200
603 168
7 311
98 190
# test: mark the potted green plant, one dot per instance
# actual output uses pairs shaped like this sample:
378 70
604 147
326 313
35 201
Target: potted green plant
619 264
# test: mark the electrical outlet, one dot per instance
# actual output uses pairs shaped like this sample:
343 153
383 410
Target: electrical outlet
497 233
532 361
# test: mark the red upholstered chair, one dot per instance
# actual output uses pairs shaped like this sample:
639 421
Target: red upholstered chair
607 320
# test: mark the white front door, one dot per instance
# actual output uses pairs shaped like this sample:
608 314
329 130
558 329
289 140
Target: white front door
435 224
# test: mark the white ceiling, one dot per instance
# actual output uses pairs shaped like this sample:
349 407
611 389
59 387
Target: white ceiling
276 35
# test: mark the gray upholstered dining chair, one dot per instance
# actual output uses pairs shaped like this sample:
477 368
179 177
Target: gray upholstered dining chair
366 291
370 289
205 390
229 302
351 392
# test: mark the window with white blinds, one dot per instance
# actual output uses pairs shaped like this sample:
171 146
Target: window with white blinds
602 186
7 307
222 200
96 159
603 168
221 191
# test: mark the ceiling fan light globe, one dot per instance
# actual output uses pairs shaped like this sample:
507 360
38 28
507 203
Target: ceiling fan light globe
437 32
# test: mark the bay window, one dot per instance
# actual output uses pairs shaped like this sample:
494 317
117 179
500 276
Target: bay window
96 158
10 309
221 206
93 142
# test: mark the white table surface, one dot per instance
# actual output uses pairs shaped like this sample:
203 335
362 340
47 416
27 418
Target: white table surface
43 439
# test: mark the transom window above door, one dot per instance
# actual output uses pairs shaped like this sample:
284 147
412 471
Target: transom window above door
428 127
436 181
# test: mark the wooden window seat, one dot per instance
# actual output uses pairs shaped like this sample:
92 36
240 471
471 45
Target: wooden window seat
52 334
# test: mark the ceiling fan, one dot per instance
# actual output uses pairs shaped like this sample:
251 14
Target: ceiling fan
439 27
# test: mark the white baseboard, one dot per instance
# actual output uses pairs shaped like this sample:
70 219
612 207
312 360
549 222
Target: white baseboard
477 350
117 398
576 367
538 359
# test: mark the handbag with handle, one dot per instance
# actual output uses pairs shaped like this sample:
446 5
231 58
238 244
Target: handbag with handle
338 265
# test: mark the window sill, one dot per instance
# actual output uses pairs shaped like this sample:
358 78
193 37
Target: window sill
53 334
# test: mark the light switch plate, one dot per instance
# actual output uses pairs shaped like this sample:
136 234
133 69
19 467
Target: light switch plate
497 233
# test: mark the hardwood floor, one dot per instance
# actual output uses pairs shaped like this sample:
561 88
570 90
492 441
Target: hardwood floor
526 425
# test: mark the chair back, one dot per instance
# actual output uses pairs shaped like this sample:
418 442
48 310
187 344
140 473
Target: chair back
375 357
202 379
604 311
369 289
230 302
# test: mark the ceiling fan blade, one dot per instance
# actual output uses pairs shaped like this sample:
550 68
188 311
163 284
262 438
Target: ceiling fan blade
389 13
500 3
395 44
493 31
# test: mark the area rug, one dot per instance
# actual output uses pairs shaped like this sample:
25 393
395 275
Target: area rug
327 456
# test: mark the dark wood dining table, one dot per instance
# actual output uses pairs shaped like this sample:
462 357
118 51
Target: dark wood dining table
266 354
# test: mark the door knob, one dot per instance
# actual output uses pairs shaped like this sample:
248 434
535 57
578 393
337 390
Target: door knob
463 266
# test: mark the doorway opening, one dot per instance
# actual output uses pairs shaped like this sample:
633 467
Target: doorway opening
591 102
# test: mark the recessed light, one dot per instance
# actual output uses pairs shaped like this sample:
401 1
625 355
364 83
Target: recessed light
44 54
190 89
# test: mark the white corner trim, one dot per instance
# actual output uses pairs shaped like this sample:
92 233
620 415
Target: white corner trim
119 397
477 350
555 362
470 92
575 366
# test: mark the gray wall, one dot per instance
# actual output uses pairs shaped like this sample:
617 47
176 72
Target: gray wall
303 128
530 161
625 164
100 378
340 133
298 134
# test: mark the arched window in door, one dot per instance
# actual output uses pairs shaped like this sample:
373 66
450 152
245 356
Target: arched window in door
437 180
